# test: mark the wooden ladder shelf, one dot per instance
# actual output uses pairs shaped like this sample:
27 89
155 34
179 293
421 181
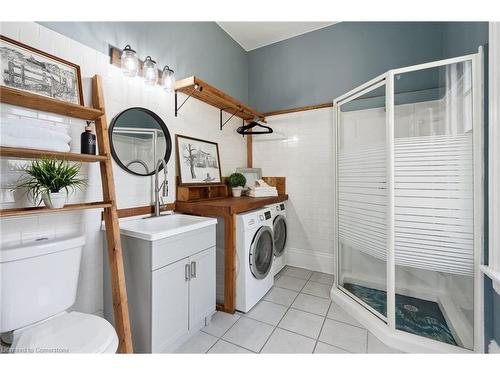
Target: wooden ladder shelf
97 114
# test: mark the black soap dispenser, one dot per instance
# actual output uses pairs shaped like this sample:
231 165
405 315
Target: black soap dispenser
88 141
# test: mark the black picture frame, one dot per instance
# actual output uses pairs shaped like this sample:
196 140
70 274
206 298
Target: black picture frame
182 182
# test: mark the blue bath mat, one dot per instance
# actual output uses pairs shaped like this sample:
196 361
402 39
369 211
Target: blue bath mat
413 315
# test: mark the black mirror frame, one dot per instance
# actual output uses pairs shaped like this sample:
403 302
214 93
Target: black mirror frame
159 121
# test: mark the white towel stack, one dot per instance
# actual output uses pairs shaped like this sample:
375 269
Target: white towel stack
261 189
25 133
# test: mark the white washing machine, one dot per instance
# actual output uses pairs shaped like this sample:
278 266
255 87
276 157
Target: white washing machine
254 247
278 214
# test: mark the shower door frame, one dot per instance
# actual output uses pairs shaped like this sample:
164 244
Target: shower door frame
394 335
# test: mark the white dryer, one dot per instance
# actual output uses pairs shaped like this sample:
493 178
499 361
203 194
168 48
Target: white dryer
278 214
254 246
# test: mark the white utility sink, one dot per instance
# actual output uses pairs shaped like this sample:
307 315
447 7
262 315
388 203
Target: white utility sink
152 228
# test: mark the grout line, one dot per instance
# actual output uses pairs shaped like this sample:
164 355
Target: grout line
296 308
338 347
322 325
366 346
286 312
278 287
314 295
349 324
239 346
220 338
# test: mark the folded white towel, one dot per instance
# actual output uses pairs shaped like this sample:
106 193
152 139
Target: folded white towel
262 194
268 189
32 132
36 144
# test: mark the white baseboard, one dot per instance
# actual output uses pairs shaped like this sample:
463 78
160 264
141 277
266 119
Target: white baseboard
311 260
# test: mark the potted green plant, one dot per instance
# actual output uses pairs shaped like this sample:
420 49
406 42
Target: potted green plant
51 181
237 181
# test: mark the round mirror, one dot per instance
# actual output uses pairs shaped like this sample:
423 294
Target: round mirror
139 138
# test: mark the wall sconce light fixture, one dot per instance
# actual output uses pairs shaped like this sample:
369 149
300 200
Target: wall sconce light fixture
129 62
168 79
150 71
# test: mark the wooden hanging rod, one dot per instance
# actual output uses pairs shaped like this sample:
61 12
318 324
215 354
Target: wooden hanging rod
298 109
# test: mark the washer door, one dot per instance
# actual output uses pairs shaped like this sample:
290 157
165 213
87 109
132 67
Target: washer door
279 228
261 252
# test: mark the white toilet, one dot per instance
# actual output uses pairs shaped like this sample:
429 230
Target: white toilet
38 283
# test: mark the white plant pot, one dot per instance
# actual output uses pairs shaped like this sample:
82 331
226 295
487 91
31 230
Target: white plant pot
57 200
237 191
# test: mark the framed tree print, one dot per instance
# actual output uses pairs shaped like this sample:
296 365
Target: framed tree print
198 161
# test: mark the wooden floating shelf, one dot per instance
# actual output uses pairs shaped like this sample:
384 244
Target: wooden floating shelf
42 103
25 211
209 94
26 153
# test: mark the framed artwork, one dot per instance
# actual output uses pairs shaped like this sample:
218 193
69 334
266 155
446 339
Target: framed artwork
198 161
28 69
251 174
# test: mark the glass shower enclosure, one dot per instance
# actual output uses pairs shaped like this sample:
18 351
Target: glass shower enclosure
408 189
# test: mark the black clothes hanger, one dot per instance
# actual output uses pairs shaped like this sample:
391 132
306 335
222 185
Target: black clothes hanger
245 129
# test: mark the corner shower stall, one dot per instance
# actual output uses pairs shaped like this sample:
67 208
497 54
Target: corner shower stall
408 214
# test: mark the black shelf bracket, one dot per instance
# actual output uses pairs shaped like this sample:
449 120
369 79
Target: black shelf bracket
225 122
195 88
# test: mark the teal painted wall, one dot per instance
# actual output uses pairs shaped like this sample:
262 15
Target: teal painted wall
190 48
317 67
463 38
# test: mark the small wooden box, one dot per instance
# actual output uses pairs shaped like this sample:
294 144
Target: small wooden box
201 192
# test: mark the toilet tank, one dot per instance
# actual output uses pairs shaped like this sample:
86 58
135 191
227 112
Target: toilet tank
38 279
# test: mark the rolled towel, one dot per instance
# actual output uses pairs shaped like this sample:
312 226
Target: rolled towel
21 128
35 144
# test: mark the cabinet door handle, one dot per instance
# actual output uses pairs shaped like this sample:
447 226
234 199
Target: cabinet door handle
193 269
187 272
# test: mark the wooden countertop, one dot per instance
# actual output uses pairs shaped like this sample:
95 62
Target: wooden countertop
226 206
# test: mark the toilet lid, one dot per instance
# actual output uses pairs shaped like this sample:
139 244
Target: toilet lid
73 332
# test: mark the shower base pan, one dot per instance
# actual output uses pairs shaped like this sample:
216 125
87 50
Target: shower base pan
413 315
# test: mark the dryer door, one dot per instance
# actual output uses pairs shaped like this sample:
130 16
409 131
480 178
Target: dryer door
279 228
261 252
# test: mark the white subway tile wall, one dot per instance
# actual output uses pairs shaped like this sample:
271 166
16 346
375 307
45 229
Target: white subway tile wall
301 149
195 119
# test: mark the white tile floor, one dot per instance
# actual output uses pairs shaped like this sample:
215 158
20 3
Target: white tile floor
296 316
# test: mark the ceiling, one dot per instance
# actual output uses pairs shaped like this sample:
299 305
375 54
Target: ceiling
252 35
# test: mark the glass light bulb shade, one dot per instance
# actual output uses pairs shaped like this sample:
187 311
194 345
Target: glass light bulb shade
150 71
129 62
168 79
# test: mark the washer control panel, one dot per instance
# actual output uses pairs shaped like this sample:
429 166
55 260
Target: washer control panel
265 216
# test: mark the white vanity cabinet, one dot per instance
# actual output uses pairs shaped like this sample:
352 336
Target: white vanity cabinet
170 287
